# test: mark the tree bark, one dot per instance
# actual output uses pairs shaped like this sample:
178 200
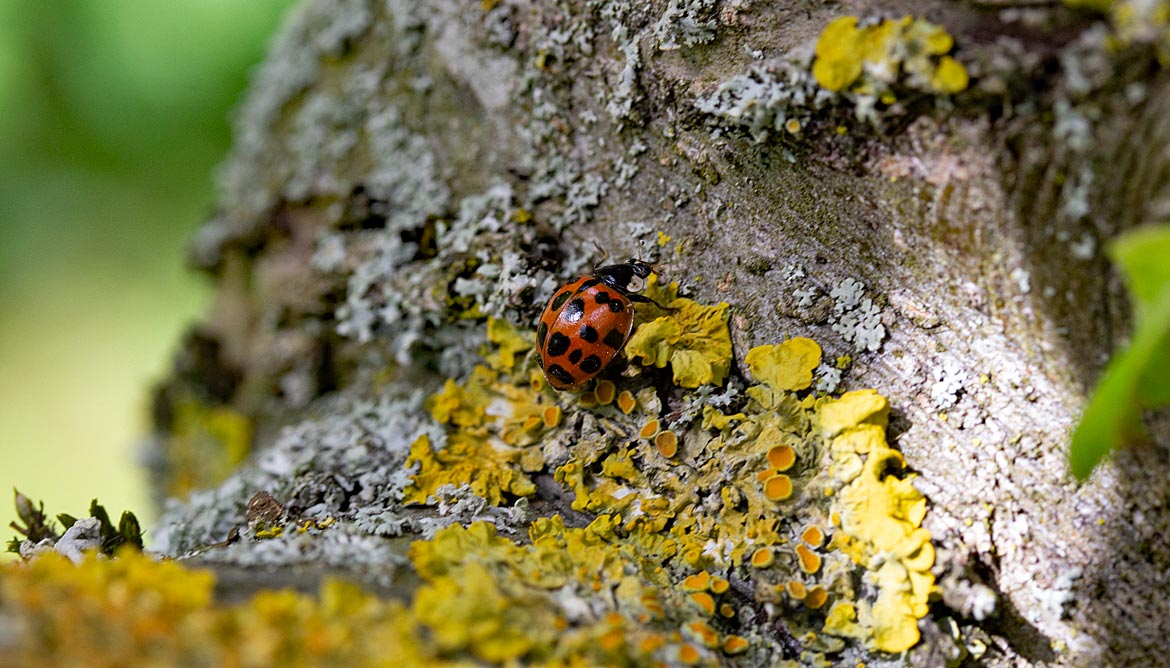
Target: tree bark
378 138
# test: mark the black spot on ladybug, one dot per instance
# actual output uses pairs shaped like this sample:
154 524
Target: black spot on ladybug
575 310
601 297
575 356
560 375
588 284
615 306
539 361
541 332
561 299
614 339
591 364
588 334
558 344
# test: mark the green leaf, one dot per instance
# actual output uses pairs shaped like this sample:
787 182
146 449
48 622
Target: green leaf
1130 383
1143 255
66 520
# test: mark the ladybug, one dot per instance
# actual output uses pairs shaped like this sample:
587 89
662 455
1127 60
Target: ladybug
587 323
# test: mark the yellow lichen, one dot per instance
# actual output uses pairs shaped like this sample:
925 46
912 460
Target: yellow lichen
842 620
719 585
778 487
704 602
781 457
733 645
551 416
649 429
689 655
605 392
787 366
702 633
126 610
726 610
466 460
873 60
700 581
667 443
810 562
816 598
693 339
510 343
762 558
880 516
469 612
813 535
626 401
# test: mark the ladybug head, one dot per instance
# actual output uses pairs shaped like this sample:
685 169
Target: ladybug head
628 277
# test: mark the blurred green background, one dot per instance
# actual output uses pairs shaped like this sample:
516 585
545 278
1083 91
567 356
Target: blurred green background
113 114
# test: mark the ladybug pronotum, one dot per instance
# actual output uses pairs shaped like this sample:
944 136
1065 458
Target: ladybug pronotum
587 323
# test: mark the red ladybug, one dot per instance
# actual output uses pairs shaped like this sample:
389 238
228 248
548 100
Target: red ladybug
587 323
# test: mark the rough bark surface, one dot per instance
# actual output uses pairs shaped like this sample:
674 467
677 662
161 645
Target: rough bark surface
974 224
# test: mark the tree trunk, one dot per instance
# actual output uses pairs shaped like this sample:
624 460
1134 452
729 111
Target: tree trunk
402 170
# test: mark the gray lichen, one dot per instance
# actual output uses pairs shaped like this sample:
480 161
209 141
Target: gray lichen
769 98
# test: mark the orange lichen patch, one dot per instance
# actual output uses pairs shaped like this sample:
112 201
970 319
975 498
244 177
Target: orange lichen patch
587 399
688 654
763 557
719 585
796 589
605 392
653 606
536 381
626 401
651 644
810 562
703 634
700 581
765 474
533 422
612 640
551 416
733 645
813 535
704 601
667 443
781 457
650 429
778 487
726 610
816 598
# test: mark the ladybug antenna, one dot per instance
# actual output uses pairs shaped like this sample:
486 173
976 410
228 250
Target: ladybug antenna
601 250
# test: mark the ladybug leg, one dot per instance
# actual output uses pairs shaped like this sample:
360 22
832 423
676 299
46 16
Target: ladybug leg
643 299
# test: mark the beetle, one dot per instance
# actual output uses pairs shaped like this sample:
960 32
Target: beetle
588 321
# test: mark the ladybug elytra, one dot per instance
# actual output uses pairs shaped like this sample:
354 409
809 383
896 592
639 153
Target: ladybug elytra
587 323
